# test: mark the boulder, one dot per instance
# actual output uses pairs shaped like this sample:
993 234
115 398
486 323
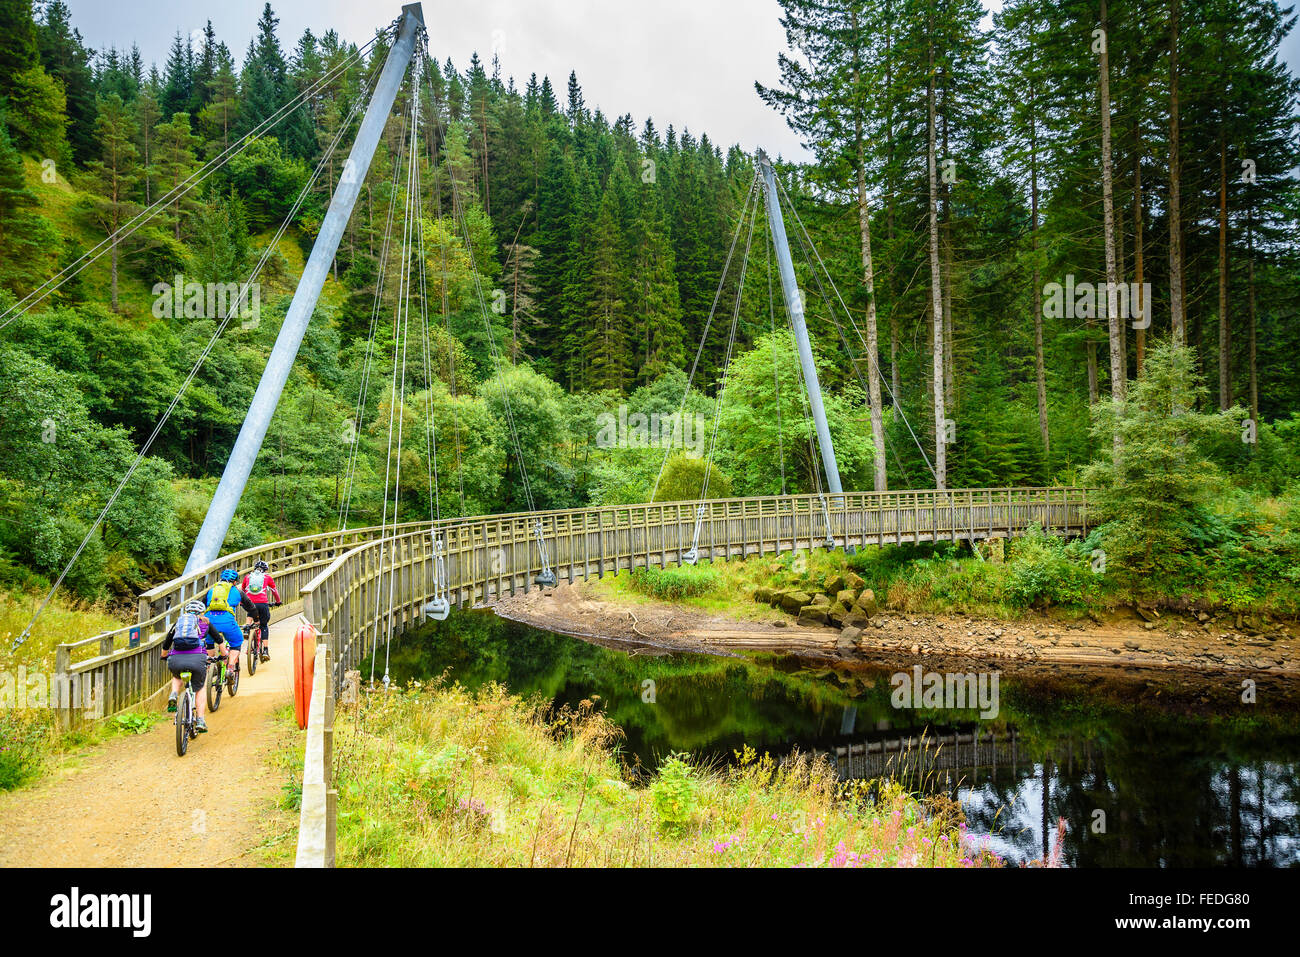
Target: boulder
812 615
763 595
855 581
855 619
848 637
846 595
822 600
866 603
838 612
792 601
833 583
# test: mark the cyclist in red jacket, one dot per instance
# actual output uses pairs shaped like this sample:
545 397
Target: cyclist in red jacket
260 588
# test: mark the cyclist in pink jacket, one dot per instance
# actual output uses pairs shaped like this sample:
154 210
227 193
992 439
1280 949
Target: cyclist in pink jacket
260 588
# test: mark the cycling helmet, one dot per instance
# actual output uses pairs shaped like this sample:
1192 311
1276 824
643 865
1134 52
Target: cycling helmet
230 575
196 607
261 566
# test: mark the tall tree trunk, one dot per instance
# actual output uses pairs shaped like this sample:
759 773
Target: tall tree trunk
1225 334
949 384
1118 373
1177 318
1040 365
936 287
1138 254
895 385
873 345
1250 306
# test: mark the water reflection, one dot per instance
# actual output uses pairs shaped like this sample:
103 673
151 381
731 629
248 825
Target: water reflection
1139 785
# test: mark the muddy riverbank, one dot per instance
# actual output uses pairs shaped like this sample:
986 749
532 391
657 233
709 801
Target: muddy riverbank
1173 654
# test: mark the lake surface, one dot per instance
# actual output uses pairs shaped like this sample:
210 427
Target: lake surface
1139 782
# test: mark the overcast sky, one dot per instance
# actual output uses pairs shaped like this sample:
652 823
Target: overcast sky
691 63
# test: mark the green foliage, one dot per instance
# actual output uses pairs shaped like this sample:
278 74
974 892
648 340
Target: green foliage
688 478
1164 477
673 793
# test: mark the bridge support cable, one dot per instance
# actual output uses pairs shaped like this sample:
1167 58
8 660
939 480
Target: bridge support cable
807 244
751 210
129 228
445 299
232 311
439 607
794 304
397 401
708 322
251 435
546 578
381 280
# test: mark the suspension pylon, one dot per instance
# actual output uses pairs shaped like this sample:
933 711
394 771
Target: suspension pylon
794 303
253 432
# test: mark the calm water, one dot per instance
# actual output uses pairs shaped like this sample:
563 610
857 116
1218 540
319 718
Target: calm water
1176 783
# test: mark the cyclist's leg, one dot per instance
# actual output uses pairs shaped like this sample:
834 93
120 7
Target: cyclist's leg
228 628
264 621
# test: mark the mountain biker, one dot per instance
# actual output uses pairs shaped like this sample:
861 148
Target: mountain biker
257 585
183 650
221 600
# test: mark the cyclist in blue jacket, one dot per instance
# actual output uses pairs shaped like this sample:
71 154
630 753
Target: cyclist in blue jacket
221 600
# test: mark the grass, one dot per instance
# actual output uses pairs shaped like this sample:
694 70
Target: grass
1254 572
439 776
62 621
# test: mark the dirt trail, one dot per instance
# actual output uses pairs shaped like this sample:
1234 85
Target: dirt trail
131 802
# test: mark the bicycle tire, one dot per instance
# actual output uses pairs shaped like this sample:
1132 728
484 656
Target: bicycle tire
252 660
183 720
232 680
214 687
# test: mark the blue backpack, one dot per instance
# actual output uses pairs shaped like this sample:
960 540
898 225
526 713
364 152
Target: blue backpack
187 633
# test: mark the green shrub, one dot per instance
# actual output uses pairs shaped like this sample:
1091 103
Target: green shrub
674 792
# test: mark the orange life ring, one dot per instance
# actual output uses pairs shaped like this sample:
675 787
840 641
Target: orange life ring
304 671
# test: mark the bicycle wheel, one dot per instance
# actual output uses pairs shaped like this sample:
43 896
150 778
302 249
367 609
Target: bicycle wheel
183 720
252 658
214 687
232 680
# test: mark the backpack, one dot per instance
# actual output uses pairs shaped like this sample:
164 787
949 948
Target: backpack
221 598
186 637
256 583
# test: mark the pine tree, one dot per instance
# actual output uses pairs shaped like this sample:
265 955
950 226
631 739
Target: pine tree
175 162
115 173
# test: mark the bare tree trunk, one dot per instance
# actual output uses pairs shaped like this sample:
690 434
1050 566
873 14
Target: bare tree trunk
1225 333
873 344
1177 318
1118 373
936 292
1138 274
1040 365
1250 304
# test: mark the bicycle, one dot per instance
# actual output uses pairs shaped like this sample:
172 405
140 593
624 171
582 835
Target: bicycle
216 685
253 642
187 716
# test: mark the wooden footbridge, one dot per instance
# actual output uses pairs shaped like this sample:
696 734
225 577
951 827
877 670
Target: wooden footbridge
342 581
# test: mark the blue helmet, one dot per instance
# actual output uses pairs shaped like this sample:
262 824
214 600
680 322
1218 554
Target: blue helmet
230 575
